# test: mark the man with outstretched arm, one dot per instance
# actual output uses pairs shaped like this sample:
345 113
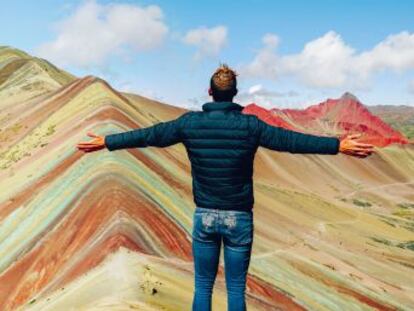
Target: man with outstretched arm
221 143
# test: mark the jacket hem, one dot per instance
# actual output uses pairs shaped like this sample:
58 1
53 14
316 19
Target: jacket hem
236 207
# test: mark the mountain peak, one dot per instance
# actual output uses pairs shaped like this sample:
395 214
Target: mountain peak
24 77
7 49
348 95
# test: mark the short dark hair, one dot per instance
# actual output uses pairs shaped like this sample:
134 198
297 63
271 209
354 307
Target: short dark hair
223 83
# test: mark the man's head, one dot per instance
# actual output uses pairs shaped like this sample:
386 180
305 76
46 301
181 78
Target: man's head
223 84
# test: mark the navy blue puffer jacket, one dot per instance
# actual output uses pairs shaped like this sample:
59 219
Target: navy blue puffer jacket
221 143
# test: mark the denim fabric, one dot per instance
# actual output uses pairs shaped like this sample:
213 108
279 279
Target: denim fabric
235 229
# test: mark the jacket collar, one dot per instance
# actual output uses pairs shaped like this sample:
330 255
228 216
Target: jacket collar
210 106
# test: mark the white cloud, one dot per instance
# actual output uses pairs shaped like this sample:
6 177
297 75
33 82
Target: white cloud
94 32
328 62
265 63
261 96
267 98
270 40
209 41
255 88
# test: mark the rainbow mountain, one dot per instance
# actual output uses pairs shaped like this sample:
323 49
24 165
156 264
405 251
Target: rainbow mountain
112 230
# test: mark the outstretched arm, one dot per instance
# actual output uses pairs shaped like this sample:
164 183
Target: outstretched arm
162 134
281 139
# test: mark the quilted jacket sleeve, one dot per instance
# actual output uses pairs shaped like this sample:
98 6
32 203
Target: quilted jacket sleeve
281 139
162 134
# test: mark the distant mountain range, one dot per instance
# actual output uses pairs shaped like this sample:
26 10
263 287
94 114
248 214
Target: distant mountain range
23 77
338 117
112 230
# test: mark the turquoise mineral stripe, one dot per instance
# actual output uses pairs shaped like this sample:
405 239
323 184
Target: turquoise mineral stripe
51 203
53 159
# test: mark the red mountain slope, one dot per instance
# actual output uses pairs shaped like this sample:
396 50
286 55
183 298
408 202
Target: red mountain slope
334 117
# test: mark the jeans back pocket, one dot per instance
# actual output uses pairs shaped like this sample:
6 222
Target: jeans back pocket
238 228
204 224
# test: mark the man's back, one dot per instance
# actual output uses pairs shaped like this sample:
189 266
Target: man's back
221 148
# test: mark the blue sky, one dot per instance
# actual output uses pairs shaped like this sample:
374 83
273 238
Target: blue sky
288 53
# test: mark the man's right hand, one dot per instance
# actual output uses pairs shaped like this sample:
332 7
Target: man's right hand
350 146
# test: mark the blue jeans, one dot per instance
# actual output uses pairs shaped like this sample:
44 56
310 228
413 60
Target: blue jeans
210 227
